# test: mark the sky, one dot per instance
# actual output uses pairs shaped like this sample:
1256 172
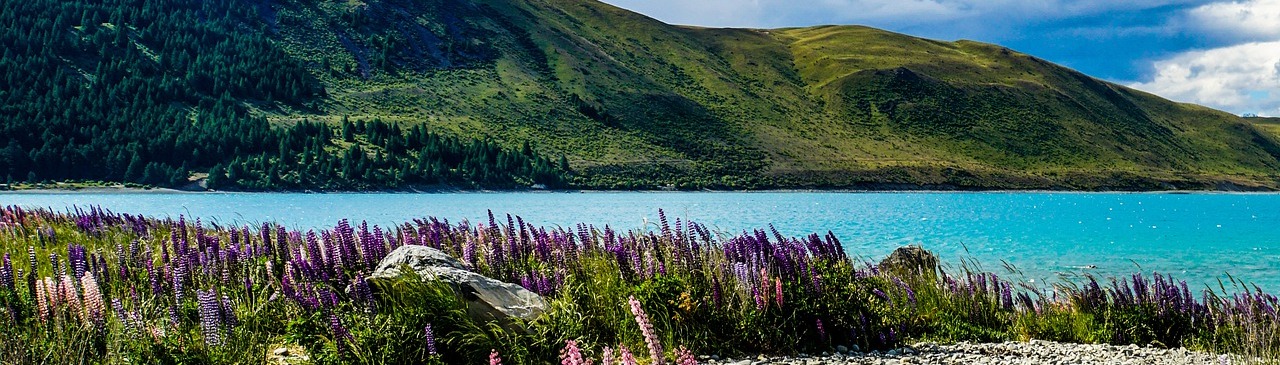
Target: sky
1222 54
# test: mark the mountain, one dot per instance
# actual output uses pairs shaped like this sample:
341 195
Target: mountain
630 102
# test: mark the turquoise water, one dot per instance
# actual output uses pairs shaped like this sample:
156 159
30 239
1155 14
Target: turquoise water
1196 237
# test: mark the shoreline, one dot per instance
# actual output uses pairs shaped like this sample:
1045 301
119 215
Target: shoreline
1010 352
133 190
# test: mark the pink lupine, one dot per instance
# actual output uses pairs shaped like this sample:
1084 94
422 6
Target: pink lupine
51 294
646 328
685 357
94 308
42 302
572 355
68 292
494 359
625 357
606 356
777 288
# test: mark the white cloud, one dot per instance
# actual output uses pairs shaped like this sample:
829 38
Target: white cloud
1242 78
1238 70
1250 20
883 13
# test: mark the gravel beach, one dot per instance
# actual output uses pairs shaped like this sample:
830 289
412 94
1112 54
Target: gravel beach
1034 352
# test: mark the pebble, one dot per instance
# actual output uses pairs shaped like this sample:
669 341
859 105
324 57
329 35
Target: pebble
1034 352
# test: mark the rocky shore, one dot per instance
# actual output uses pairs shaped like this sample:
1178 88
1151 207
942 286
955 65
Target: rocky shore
1034 352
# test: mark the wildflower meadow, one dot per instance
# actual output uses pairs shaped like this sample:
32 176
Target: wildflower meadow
97 287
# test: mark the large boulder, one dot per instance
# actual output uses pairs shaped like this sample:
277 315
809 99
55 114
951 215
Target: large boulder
910 261
487 299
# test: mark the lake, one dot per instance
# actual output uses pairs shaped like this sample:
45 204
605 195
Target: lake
1197 237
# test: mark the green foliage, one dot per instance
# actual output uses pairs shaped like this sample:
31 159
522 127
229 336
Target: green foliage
804 296
139 92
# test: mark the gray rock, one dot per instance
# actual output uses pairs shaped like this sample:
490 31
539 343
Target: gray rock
487 299
842 349
910 261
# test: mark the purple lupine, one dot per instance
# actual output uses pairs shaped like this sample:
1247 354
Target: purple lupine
1006 297
822 330
6 273
313 251
755 293
469 253
430 339
210 317
340 333
55 264
715 291
227 314
179 275
363 293
31 256
880 293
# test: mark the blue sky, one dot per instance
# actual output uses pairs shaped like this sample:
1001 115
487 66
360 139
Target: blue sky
1223 54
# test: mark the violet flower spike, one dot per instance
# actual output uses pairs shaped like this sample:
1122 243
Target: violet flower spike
430 339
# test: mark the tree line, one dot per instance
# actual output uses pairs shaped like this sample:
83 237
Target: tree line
136 91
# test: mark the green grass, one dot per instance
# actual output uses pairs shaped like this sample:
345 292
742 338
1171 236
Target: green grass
831 106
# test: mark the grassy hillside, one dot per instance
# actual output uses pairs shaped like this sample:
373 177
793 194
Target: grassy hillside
635 103
1269 125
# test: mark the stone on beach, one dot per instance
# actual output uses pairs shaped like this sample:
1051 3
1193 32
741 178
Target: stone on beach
910 261
487 299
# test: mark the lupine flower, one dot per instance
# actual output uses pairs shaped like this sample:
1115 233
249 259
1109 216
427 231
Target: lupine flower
6 273
625 357
572 355
179 274
227 313
822 330
1006 296
685 357
777 286
430 339
31 255
606 356
174 320
880 293
210 317
494 359
340 333
646 328
469 253
94 308
42 302
67 291
760 303
715 291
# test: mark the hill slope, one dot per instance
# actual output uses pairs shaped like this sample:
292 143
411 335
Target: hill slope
635 103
